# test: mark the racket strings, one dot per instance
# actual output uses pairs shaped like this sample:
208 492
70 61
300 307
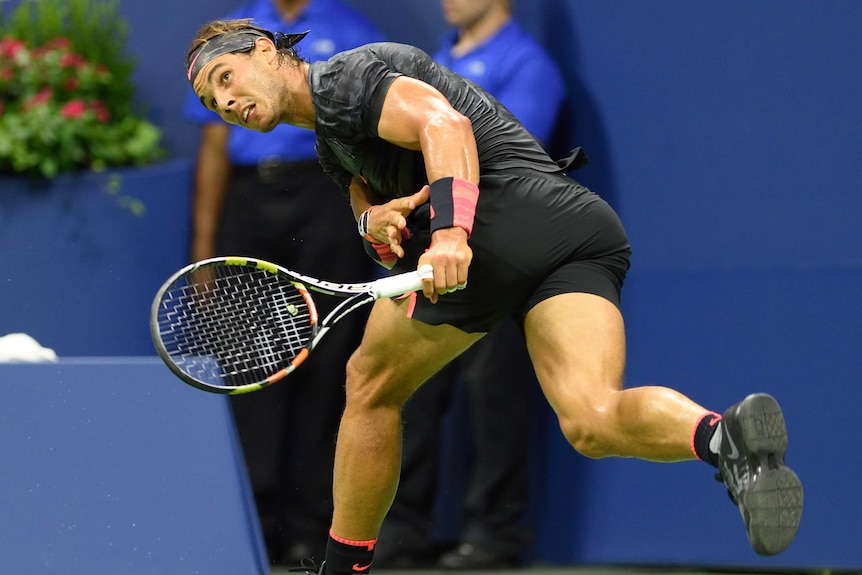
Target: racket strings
234 325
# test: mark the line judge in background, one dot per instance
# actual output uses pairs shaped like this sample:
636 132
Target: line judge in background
487 46
253 196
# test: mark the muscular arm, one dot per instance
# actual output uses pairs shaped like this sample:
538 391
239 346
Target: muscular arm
416 116
210 185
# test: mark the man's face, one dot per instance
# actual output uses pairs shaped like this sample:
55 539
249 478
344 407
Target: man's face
242 89
464 13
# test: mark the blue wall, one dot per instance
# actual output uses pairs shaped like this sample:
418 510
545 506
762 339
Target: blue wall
113 466
732 131
83 257
728 136
717 336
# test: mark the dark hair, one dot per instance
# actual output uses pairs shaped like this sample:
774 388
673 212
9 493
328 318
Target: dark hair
284 43
218 27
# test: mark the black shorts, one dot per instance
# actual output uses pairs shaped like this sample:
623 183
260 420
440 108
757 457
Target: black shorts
535 236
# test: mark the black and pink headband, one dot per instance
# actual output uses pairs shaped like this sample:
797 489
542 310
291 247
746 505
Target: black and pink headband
230 42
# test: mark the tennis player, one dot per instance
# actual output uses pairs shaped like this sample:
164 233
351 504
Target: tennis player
438 172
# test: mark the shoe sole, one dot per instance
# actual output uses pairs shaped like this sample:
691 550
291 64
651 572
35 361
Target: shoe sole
772 502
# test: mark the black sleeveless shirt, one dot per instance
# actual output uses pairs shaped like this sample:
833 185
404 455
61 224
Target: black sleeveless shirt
348 91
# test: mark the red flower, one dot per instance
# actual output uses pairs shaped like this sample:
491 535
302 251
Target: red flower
9 47
51 90
40 52
58 44
73 109
100 111
72 61
39 99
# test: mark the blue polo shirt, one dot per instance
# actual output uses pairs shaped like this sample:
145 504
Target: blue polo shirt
516 70
334 27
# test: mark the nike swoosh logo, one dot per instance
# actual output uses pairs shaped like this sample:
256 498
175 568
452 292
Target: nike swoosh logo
357 567
734 452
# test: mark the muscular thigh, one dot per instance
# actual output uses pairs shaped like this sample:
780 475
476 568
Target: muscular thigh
398 354
577 345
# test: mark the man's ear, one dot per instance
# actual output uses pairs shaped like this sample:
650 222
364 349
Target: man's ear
266 48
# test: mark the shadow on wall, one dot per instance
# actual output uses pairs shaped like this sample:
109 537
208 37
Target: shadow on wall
553 22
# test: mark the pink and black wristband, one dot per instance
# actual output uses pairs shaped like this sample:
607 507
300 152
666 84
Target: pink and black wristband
453 204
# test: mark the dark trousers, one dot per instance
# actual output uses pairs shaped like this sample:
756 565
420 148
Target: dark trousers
293 215
500 389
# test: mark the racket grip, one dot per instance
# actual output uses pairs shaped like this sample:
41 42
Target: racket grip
402 283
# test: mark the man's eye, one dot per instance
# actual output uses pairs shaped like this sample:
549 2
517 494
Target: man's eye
225 77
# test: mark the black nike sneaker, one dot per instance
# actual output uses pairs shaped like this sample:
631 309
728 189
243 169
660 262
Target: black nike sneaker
751 465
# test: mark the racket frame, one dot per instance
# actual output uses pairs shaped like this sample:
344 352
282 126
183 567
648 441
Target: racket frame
357 294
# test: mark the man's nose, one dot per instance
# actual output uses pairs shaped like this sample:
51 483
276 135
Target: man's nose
226 107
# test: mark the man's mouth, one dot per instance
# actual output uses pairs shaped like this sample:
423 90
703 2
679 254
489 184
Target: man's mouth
247 114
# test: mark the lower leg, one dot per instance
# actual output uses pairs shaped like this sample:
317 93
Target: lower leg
367 464
652 423
380 378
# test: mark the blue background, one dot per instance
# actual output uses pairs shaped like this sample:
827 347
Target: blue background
729 138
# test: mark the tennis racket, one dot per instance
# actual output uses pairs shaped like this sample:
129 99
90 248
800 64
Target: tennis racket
235 325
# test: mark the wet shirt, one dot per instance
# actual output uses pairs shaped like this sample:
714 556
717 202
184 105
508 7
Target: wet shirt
348 91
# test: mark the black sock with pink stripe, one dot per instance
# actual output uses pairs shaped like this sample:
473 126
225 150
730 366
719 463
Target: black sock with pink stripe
347 557
702 436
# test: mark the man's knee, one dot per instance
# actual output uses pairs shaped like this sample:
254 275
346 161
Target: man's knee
591 431
370 387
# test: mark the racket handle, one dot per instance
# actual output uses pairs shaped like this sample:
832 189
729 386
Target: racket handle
402 283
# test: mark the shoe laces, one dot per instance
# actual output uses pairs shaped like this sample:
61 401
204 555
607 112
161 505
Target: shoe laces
307 565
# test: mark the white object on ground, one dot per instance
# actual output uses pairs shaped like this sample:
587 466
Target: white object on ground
21 347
